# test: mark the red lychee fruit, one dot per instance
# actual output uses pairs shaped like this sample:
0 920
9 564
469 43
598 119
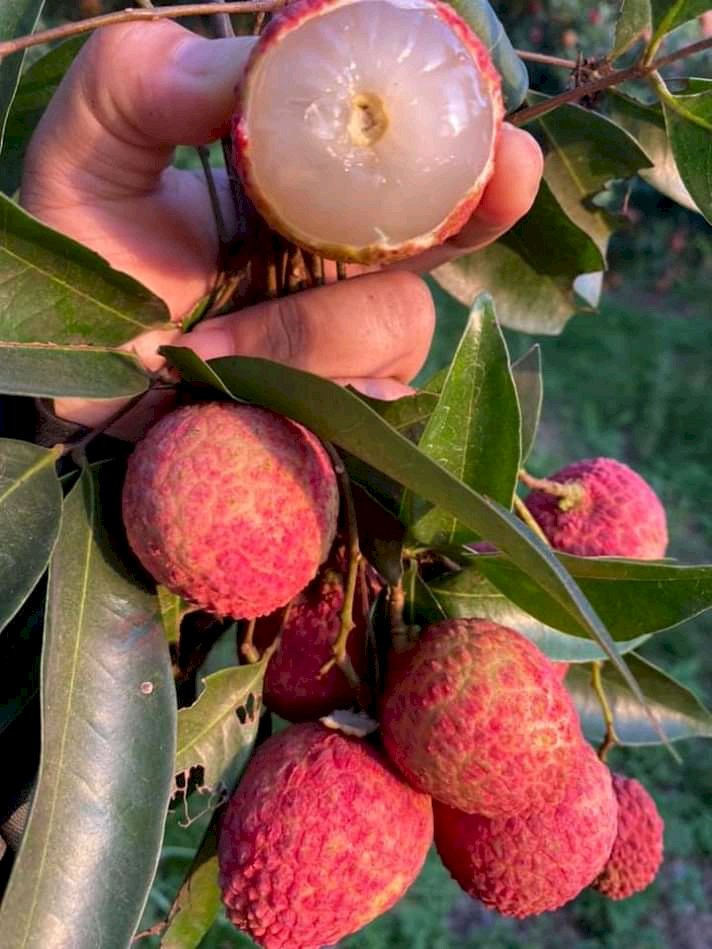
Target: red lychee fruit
617 515
475 715
561 669
522 866
638 848
320 837
294 687
231 507
366 129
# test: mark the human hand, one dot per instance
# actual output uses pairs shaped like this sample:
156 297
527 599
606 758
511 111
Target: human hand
99 169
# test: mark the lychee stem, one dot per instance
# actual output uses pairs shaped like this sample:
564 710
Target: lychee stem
526 515
396 610
204 155
610 738
248 648
223 25
341 273
571 494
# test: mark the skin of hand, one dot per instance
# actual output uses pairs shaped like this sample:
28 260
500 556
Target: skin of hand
99 169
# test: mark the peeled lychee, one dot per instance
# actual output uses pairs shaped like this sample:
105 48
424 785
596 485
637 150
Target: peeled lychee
294 687
366 129
522 866
231 507
320 837
617 515
475 715
638 847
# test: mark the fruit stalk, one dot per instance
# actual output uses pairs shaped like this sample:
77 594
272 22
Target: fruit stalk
571 493
610 738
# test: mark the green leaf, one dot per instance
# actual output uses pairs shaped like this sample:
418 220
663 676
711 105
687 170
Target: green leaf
469 594
632 597
54 290
37 86
680 712
172 609
218 731
646 124
380 534
688 120
474 431
17 18
633 21
30 514
337 415
483 21
530 392
199 899
92 843
668 16
408 414
49 371
530 271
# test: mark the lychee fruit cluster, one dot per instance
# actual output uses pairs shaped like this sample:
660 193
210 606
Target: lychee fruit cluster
230 506
610 512
638 847
390 131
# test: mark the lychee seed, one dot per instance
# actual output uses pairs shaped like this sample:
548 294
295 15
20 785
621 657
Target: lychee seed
366 129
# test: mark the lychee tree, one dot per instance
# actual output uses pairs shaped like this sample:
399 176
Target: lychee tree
150 686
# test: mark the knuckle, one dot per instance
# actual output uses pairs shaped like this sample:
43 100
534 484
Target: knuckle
287 330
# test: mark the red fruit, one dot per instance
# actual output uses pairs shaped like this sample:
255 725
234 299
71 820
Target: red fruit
475 715
294 687
619 514
522 866
231 507
638 847
390 128
319 839
561 669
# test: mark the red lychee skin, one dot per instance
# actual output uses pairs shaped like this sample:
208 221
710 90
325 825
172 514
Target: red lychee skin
523 866
476 716
231 507
294 687
320 837
281 24
561 669
638 848
619 516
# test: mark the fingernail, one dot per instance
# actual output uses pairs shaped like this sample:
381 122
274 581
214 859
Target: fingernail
200 57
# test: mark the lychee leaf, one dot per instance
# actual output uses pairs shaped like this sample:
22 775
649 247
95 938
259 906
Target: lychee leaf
172 608
667 16
218 731
530 271
529 383
92 843
474 431
483 21
17 18
688 119
55 290
48 371
680 712
380 534
36 87
469 594
30 515
633 21
198 901
337 415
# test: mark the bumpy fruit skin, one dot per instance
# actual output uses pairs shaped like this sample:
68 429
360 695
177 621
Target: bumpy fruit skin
476 716
638 848
619 516
231 507
289 19
294 687
561 669
319 839
523 866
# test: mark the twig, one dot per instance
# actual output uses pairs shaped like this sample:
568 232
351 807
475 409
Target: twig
223 25
610 739
248 649
396 609
526 515
204 155
341 273
341 657
156 930
545 59
570 493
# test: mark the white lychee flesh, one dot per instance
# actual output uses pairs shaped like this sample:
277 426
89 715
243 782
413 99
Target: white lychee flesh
367 127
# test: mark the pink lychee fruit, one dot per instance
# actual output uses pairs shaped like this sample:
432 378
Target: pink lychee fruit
231 507
475 715
617 513
561 669
365 129
638 848
320 837
522 866
294 686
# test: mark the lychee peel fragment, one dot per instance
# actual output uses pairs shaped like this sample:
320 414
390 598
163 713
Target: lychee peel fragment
319 839
638 848
523 866
475 715
619 514
365 130
231 507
